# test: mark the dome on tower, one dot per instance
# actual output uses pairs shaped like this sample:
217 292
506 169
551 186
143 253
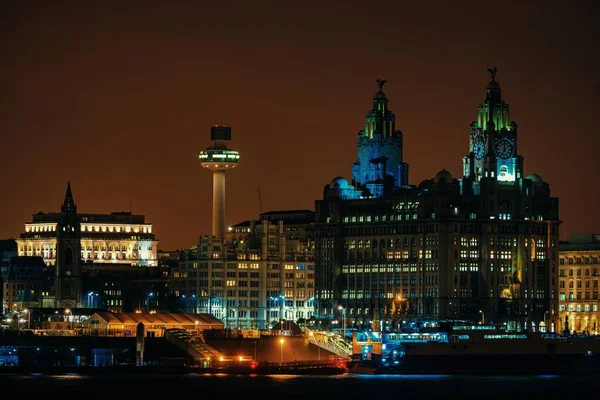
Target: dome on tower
535 178
493 85
379 96
443 177
339 183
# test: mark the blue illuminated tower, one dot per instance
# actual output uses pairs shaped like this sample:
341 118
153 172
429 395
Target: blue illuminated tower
219 158
380 164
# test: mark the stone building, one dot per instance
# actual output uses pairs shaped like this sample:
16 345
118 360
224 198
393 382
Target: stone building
116 238
72 242
260 273
480 247
579 268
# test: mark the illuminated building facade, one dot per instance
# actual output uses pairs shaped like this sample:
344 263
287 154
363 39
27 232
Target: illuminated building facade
262 272
483 247
115 238
579 266
70 242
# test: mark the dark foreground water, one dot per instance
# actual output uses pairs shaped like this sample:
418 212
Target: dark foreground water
349 386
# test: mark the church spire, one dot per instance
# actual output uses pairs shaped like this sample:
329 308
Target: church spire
68 203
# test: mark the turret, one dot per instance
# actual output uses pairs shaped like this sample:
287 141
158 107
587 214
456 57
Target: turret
380 164
493 140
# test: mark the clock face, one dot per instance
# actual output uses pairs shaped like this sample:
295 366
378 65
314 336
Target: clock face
478 149
504 148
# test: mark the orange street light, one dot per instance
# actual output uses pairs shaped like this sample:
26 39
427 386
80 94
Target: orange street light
281 347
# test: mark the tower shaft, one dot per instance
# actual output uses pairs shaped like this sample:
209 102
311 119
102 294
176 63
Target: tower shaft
218 225
219 158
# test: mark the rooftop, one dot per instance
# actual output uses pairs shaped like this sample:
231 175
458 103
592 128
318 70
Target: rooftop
113 217
287 212
28 262
154 319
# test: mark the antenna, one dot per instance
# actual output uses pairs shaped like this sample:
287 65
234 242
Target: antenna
259 202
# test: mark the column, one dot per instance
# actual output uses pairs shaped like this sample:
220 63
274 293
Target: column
218 227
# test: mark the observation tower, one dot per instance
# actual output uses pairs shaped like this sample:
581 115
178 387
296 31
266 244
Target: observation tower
219 159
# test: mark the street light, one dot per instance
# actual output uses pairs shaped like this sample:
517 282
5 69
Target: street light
482 317
401 299
343 320
281 347
91 300
67 312
26 311
282 309
148 301
545 322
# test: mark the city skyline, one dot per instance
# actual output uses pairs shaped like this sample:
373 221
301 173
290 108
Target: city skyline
121 107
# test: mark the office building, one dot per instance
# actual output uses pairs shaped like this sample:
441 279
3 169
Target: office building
260 273
480 247
579 268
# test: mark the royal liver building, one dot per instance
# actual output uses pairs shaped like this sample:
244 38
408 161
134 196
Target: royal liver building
482 246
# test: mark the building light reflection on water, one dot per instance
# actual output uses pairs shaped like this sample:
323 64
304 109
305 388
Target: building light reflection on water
475 328
505 336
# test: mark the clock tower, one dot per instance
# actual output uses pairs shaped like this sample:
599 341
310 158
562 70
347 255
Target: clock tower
493 140
67 282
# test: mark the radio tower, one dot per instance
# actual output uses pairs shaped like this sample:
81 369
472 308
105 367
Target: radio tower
219 158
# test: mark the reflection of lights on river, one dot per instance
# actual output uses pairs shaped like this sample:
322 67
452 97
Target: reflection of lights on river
283 377
71 376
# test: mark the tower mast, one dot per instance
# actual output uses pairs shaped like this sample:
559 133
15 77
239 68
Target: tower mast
259 202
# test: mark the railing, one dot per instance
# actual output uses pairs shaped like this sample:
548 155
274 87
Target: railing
333 343
194 345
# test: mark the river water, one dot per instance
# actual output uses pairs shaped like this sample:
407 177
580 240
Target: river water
347 386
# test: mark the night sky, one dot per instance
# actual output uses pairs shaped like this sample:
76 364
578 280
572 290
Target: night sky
119 98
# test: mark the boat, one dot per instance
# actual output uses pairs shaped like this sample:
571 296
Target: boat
476 350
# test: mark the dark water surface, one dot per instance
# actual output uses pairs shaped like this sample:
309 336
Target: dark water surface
348 386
